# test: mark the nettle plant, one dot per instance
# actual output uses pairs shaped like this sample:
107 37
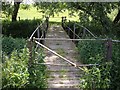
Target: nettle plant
15 69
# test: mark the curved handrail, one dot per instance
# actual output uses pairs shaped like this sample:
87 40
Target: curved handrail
73 32
37 29
87 30
34 33
83 28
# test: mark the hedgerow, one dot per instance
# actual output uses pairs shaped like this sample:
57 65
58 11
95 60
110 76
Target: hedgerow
20 29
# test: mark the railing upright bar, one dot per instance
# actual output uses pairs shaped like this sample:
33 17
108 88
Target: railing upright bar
84 32
86 29
109 49
38 33
74 32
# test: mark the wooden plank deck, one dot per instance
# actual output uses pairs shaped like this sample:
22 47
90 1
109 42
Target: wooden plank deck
61 76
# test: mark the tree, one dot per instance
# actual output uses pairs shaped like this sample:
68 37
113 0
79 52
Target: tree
97 11
117 18
15 11
9 9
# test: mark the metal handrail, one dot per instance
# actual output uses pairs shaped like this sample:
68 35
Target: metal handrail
64 39
82 27
34 33
117 41
36 30
73 32
87 30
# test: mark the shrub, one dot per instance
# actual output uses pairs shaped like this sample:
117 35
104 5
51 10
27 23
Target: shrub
38 72
115 68
96 78
15 70
91 52
22 28
9 44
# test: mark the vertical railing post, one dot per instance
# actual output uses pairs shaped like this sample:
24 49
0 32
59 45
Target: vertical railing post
34 18
69 30
74 31
84 32
29 45
38 32
109 50
19 18
47 23
62 21
38 36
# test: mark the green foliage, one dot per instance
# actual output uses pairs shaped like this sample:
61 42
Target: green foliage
116 30
108 75
91 51
9 44
7 8
22 28
50 8
115 69
25 6
38 72
15 70
96 78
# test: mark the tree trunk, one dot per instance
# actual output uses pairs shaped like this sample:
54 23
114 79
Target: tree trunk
16 8
117 18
